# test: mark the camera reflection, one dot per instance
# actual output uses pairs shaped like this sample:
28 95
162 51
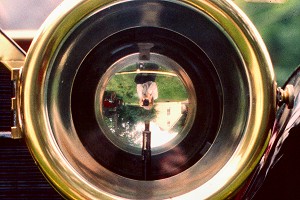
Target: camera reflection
146 87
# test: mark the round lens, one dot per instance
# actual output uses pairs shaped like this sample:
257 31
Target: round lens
137 95
134 103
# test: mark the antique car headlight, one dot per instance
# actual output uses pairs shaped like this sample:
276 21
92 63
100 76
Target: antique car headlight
80 114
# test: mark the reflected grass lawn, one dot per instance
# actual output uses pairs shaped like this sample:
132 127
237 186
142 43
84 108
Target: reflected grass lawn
170 88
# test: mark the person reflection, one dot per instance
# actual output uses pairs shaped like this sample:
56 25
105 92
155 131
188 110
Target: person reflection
146 87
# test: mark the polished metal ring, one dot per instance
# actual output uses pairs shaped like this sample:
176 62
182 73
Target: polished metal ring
238 66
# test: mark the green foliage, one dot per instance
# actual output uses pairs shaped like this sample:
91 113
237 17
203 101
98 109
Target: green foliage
125 87
170 88
279 26
122 123
135 114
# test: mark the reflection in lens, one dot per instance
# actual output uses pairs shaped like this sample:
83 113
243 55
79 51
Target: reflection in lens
140 92
135 107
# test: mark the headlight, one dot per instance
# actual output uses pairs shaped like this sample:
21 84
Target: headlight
82 115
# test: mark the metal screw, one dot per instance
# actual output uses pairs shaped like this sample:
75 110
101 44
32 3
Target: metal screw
286 96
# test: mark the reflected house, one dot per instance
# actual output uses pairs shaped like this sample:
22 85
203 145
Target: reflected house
168 114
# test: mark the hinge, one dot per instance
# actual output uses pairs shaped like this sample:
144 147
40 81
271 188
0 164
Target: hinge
16 131
13 58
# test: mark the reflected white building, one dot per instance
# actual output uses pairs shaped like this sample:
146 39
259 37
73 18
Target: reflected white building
168 114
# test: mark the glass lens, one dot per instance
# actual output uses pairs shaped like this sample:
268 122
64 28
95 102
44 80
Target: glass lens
145 93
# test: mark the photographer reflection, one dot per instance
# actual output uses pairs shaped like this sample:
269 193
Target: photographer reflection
146 86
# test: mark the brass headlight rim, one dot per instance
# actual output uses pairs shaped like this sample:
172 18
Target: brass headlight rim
262 101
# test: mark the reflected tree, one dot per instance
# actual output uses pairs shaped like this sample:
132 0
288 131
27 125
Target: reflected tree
125 120
278 25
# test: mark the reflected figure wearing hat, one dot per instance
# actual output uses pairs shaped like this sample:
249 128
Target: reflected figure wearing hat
146 89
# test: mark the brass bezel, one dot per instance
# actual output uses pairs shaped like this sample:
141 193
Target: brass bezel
74 185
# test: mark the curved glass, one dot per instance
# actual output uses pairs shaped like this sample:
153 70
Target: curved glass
136 95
